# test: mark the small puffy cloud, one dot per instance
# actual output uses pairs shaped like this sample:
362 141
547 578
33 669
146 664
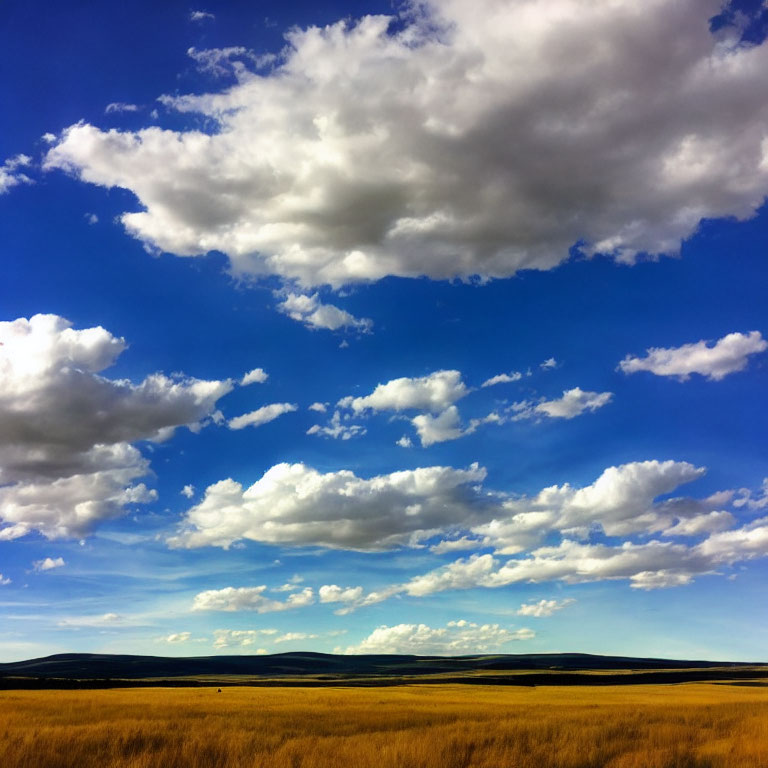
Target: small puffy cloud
120 106
337 428
221 62
4 581
295 504
319 407
188 491
502 378
543 607
573 403
331 593
66 459
433 393
314 314
291 585
200 16
404 442
49 563
347 163
11 173
455 638
727 355
438 429
249 599
177 637
262 415
548 364
91 218
256 376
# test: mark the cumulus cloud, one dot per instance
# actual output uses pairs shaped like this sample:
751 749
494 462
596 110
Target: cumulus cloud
249 599
256 376
314 314
543 607
11 173
573 403
295 504
200 16
319 407
4 581
66 459
727 355
48 564
188 491
455 638
177 637
337 428
604 124
262 415
433 393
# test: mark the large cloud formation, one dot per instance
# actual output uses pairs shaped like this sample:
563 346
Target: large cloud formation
614 126
294 504
66 459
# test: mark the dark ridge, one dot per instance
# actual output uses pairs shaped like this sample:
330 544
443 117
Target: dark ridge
101 670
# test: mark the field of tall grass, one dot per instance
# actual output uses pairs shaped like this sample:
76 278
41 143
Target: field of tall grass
665 726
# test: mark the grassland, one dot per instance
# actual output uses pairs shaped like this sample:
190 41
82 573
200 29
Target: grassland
698 725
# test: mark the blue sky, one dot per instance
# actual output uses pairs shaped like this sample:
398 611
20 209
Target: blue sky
433 328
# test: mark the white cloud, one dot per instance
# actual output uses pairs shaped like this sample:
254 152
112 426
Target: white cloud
292 637
4 581
237 61
262 415
337 429
49 563
433 393
573 403
438 429
295 504
543 607
346 162
226 638
256 376
11 174
249 599
404 442
331 593
314 314
188 491
727 355
66 462
455 638
548 364
177 637
200 16
319 407
91 218
753 501
120 106
502 378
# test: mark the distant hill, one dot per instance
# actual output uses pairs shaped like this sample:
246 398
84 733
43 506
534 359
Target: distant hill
69 669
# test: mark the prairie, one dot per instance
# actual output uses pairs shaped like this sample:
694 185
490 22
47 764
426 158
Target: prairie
697 725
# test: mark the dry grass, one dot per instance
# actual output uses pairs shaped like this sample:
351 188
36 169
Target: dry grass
683 726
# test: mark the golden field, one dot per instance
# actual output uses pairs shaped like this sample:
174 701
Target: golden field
699 725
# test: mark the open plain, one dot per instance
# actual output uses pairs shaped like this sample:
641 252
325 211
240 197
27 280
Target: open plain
694 725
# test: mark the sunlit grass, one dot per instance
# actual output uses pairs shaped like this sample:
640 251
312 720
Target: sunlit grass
681 726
